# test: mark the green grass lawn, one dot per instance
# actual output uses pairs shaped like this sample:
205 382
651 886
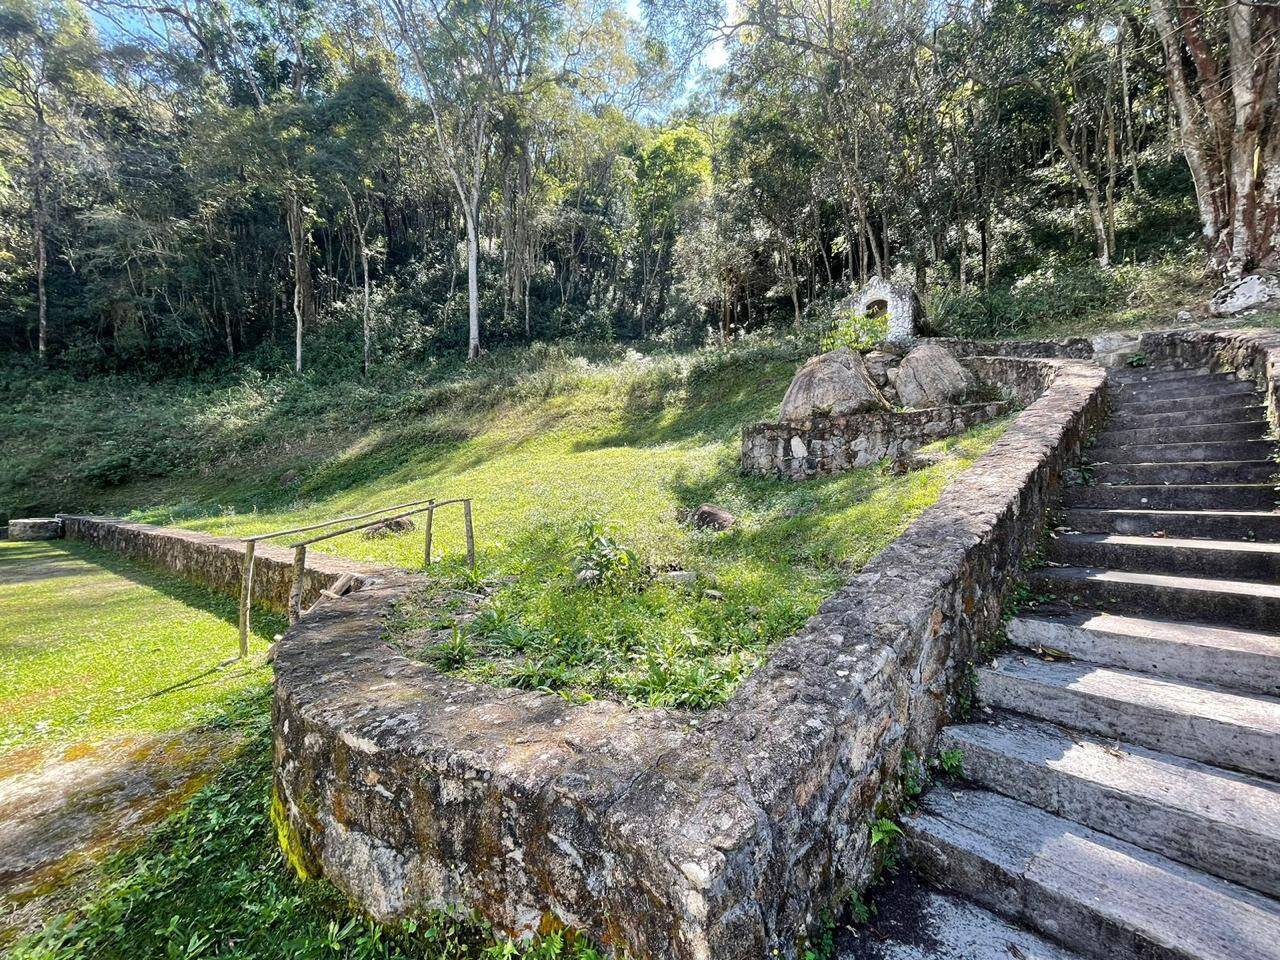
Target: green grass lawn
632 633
94 651
93 647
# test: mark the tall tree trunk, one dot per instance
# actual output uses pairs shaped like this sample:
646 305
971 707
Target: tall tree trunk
303 302
472 214
42 261
1083 178
1244 137
39 219
360 227
1228 121
793 283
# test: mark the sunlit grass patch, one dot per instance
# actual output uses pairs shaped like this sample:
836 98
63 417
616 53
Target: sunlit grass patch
544 441
644 608
92 646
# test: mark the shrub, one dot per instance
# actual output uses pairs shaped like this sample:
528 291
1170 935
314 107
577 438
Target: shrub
600 558
1061 296
857 331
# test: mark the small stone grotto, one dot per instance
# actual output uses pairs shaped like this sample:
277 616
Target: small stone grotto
660 833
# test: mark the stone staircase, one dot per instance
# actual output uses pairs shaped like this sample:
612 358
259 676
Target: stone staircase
1121 795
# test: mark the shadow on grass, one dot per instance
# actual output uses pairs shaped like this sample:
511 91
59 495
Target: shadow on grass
713 408
172 586
383 461
30 562
69 560
399 456
805 522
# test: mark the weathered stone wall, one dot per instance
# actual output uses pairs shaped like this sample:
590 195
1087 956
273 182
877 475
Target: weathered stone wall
674 835
1251 354
214 562
1068 348
35 528
822 445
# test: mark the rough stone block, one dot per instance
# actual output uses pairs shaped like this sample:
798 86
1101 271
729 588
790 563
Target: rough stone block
36 528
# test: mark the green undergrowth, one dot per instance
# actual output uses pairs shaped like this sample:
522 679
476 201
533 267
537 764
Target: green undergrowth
641 607
1060 296
92 646
212 883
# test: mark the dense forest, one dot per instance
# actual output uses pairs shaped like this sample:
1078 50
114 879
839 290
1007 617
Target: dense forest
354 182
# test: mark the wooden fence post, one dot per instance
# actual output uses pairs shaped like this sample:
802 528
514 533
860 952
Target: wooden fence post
246 597
299 572
471 539
431 513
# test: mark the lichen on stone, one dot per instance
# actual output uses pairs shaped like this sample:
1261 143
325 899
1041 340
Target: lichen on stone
291 845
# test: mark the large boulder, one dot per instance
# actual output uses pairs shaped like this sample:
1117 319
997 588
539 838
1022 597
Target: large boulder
389 528
833 384
929 376
710 517
1251 291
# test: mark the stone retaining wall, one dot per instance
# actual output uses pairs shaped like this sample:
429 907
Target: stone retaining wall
825 445
1251 354
1068 348
214 562
676 835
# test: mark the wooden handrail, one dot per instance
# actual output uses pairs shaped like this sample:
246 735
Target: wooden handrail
297 587
431 505
328 523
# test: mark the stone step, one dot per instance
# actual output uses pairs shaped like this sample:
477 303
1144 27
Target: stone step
1227 824
1185 433
1197 721
1194 380
1229 559
1095 894
1200 387
1234 603
1231 402
1256 497
1182 452
923 924
1247 410
1155 374
1234 659
1214 524
1196 471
